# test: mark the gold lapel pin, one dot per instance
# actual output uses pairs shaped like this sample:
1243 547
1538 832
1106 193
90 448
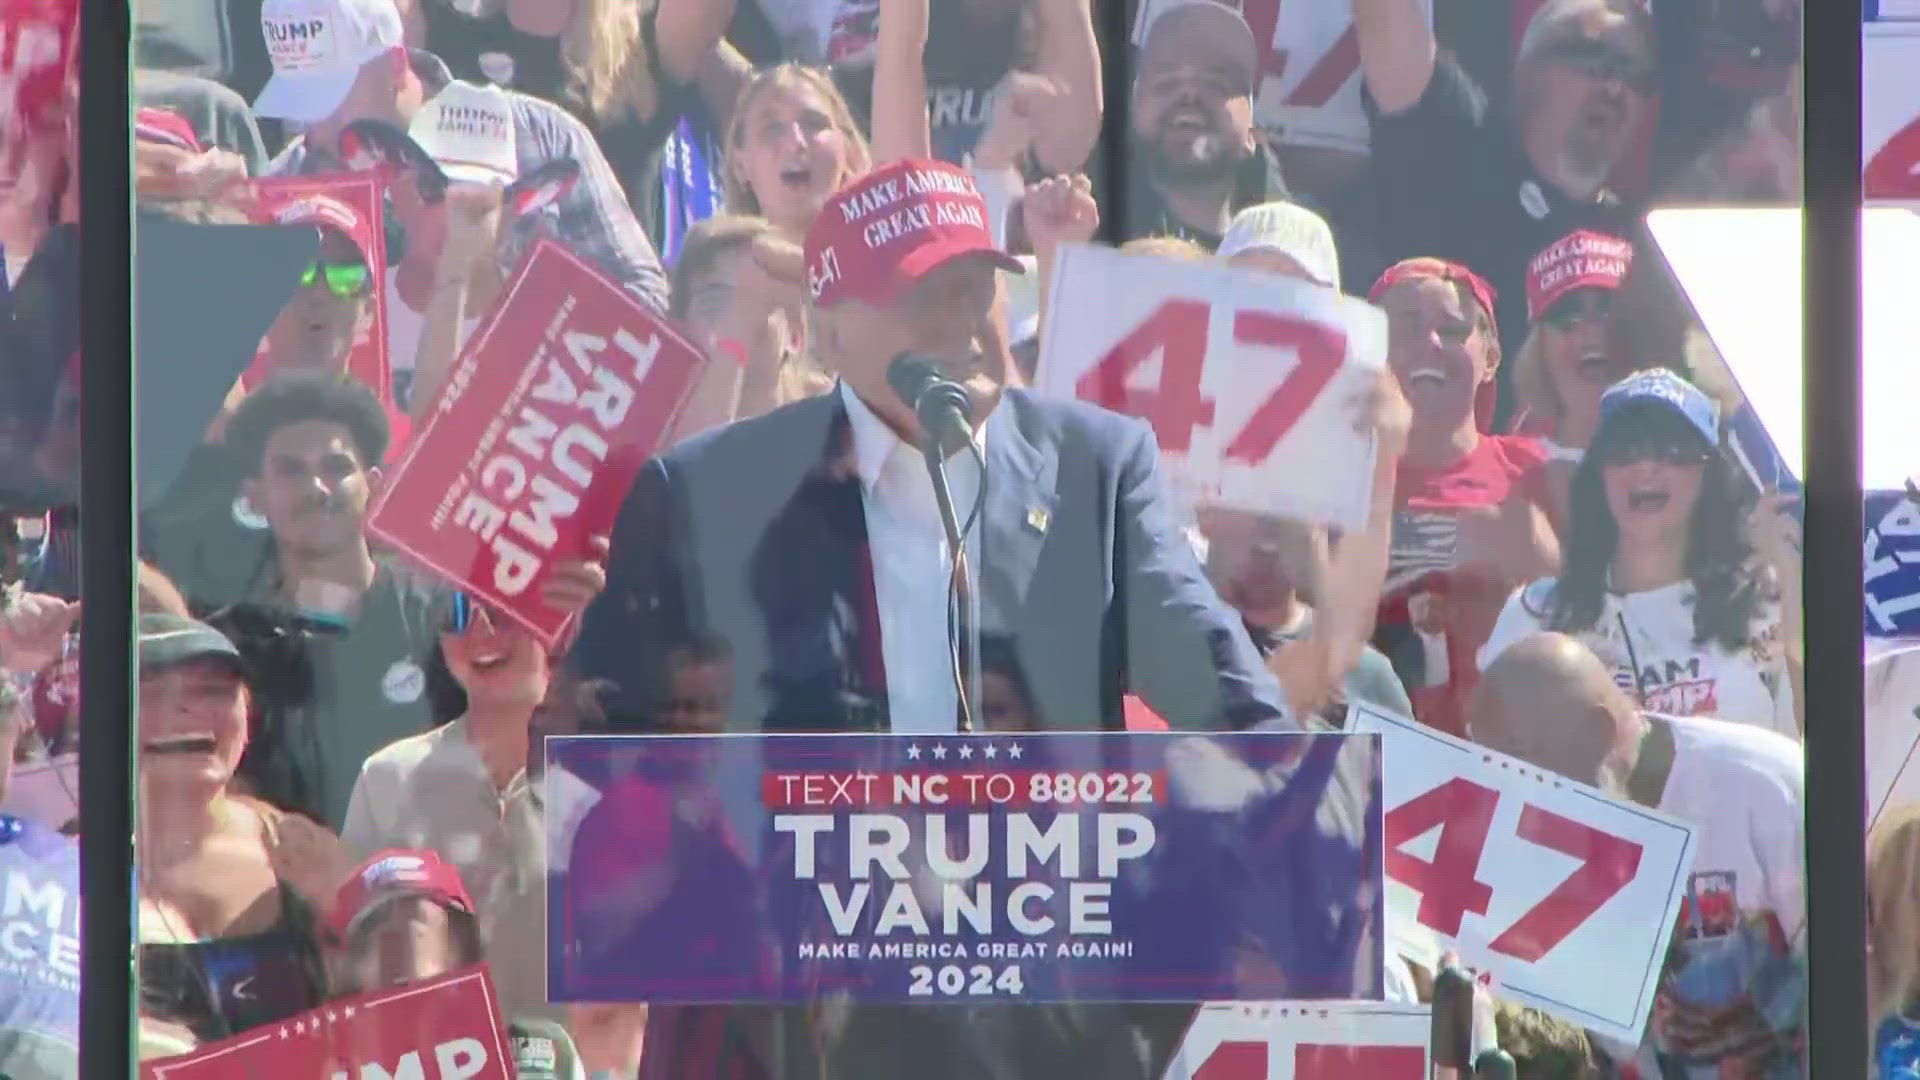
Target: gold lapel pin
1037 519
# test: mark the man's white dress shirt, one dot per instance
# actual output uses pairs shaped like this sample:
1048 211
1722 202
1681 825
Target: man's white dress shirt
912 565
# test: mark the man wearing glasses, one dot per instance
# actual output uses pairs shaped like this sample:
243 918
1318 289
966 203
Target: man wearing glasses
1507 186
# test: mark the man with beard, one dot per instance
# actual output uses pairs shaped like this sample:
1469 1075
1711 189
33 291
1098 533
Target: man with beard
1456 180
1198 157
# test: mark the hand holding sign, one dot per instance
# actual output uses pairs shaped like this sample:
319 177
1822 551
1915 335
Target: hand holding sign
1567 896
527 455
1243 376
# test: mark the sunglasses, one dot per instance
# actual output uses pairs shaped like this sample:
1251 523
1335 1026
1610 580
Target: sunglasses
1585 306
464 611
348 281
1602 61
1666 449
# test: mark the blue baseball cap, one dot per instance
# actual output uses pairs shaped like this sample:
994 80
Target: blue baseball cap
1661 387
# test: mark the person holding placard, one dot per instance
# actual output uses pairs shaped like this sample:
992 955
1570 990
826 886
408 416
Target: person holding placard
1688 589
1732 999
1469 508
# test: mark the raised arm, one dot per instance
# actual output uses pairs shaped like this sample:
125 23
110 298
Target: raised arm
901 127
686 32
1187 654
1397 51
1069 55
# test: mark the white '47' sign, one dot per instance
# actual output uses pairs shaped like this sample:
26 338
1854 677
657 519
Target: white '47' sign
1566 896
1252 381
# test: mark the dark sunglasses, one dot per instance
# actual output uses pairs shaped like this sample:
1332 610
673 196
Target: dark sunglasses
1665 448
463 610
1602 61
1595 305
348 281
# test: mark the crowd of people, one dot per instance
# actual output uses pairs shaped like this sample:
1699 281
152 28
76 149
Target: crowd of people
340 788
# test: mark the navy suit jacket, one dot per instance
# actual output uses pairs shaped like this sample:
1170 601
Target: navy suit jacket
755 535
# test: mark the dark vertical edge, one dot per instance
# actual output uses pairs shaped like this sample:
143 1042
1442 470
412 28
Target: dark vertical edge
107 551
1113 22
1835 707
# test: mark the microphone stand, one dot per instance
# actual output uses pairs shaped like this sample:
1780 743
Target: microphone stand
961 621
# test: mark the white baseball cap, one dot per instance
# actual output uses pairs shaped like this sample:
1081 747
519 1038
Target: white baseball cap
1185 30
468 130
1290 229
318 48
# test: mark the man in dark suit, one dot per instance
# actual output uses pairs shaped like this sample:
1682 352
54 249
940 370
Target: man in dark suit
809 541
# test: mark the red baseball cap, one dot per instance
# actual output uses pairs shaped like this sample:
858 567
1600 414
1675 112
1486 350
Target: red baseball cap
396 872
892 226
1580 260
1487 399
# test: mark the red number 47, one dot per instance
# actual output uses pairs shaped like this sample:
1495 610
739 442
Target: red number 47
1463 811
1177 331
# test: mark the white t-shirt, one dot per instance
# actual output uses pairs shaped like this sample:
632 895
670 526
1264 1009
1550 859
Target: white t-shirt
1653 632
1742 789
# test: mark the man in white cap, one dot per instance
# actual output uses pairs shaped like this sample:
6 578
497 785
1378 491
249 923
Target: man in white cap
338 61
1197 155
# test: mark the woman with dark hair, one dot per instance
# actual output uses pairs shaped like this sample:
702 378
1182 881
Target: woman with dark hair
1673 574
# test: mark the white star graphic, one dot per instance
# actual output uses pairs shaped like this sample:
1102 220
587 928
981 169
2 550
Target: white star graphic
965 751
350 1011
939 752
1013 751
989 751
283 1031
332 1016
299 1027
913 752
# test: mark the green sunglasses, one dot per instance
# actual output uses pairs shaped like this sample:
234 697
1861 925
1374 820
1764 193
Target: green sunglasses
348 281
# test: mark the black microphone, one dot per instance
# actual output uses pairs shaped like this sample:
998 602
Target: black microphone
944 407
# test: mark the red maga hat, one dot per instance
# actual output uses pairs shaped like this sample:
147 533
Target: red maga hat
892 226
396 872
1581 259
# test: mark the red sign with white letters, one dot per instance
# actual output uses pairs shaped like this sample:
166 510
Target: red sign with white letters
446 1028
559 398
1562 894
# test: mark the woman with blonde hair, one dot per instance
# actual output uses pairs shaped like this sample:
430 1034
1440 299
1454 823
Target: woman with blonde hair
793 140
1893 944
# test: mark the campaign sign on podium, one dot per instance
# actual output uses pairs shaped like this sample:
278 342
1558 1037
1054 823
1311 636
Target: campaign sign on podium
1253 382
1120 866
1290 1040
1565 896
